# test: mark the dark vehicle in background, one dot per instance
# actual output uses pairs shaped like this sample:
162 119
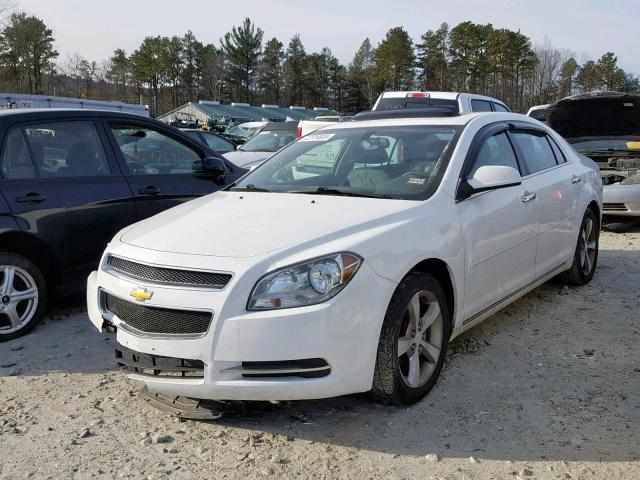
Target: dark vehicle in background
217 142
270 139
70 180
605 127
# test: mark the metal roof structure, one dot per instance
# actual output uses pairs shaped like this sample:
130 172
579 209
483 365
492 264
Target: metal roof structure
205 110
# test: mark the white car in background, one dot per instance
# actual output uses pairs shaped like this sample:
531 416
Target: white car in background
271 138
605 126
539 112
449 101
313 279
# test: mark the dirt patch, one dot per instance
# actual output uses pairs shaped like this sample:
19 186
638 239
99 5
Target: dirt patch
549 388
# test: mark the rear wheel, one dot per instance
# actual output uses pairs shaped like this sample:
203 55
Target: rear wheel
413 341
23 296
585 257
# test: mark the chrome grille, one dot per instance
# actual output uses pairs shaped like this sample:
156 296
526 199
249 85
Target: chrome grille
618 207
172 276
157 320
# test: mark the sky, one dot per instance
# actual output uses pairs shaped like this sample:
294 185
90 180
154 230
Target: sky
94 28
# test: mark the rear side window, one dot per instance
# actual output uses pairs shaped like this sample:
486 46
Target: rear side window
560 158
495 150
67 149
500 108
480 106
536 151
16 162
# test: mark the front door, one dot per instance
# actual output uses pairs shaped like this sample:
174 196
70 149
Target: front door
162 169
499 232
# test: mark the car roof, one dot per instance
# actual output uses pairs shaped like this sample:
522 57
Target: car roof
459 120
47 113
439 95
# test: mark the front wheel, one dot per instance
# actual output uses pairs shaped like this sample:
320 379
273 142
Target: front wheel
413 341
585 257
23 296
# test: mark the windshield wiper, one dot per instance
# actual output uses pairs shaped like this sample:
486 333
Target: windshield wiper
337 191
249 188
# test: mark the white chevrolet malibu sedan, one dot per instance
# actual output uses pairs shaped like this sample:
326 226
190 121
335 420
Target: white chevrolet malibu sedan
348 260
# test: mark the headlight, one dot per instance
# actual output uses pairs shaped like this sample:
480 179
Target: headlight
304 283
633 179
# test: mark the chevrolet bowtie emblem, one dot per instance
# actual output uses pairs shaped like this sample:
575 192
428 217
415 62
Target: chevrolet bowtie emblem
141 294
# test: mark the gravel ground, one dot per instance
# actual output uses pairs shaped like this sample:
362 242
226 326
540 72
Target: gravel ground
548 389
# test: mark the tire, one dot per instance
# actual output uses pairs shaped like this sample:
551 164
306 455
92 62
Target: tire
585 260
395 380
23 296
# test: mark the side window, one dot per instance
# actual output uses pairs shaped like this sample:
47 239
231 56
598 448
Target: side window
560 158
480 106
149 152
536 151
496 150
499 108
16 162
67 149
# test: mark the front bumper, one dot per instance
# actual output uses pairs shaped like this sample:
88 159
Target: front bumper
343 332
621 200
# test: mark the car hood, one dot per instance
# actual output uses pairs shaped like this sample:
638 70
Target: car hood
244 159
245 224
599 115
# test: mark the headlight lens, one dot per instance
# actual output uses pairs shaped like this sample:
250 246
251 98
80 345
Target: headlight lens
633 179
304 283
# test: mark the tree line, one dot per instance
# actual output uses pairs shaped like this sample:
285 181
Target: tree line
243 66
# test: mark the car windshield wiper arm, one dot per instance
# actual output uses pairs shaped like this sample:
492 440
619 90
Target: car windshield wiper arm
597 151
337 191
249 188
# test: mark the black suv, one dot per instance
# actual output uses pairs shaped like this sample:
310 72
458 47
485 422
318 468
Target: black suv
70 179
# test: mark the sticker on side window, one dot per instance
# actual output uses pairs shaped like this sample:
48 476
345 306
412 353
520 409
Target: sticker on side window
318 137
417 180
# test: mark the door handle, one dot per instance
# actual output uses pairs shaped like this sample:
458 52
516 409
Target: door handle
576 179
150 190
528 196
31 198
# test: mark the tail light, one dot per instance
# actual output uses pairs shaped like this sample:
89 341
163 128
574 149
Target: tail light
417 95
299 133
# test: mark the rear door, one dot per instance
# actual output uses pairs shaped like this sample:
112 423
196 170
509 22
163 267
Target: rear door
548 181
163 168
65 187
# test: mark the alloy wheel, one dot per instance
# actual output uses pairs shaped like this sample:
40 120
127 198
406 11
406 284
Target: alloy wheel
18 298
588 245
420 339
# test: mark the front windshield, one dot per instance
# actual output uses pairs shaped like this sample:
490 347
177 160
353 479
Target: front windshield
269 141
607 144
243 132
403 162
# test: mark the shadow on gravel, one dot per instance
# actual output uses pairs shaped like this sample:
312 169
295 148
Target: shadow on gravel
554 376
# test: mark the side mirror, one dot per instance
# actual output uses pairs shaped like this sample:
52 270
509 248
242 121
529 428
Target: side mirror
489 177
214 166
